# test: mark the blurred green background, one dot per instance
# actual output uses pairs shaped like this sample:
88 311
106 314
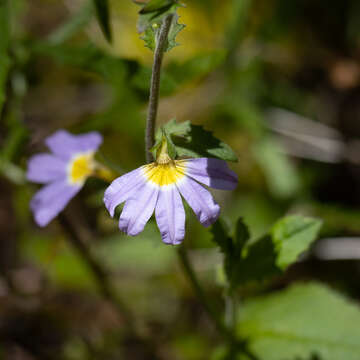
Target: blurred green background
278 80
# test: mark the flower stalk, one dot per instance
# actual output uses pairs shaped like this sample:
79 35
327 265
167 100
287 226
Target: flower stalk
161 42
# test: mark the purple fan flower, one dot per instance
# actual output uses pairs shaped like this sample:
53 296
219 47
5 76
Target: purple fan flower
158 186
63 172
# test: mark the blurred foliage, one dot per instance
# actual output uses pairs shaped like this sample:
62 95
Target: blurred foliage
238 61
278 325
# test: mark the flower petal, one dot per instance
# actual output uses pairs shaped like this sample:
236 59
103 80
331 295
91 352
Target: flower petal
170 215
200 200
44 168
138 209
212 172
51 200
122 189
65 145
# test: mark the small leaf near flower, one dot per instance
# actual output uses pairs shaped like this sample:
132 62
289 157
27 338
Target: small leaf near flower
173 33
194 141
154 13
152 32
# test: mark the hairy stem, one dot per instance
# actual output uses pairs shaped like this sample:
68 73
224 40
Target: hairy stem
161 42
190 273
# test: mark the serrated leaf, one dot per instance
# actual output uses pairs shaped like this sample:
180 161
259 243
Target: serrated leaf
149 37
173 33
173 127
271 254
292 236
230 247
221 236
151 33
103 16
202 143
4 45
194 141
257 262
305 321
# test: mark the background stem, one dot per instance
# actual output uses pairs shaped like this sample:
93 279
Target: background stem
100 274
161 42
190 273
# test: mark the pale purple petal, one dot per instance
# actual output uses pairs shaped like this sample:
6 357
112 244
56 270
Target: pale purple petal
44 168
212 172
65 145
170 215
122 189
138 209
200 200
51 200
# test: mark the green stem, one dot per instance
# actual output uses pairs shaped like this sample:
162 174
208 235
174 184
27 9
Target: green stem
190 273
161 42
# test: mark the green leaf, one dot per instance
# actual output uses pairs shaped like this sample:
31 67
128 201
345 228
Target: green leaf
230 247
156 6
292 236
177 128
194 141
173 33
221 237
257 262
272 253
304 321
4 47
155 16
170 145
202 143
103 16
149 36
151 33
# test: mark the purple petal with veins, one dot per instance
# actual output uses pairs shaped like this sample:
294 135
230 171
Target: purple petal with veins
170 215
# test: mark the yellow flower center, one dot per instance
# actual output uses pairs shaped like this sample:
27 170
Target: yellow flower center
165 173
81 167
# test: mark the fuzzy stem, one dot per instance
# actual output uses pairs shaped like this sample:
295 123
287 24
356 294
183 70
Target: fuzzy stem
161 42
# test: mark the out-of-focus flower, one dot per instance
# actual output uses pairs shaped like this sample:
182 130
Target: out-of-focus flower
158 186
63 171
